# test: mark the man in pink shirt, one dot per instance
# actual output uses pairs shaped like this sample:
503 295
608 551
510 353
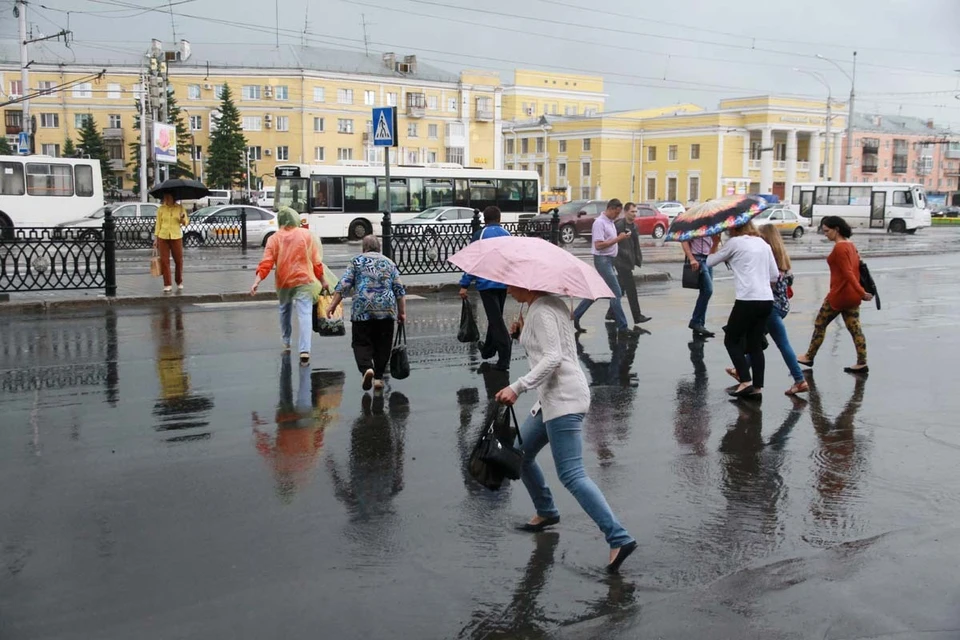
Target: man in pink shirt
605 240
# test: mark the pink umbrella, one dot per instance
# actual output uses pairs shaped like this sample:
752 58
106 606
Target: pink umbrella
531 263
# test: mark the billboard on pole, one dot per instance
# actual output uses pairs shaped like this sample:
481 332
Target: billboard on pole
164 143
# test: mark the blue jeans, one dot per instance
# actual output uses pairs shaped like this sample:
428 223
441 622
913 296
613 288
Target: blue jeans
604 266
566 445
304 308
778 333
706 291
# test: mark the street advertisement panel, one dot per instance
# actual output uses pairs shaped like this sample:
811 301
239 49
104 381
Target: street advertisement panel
165 143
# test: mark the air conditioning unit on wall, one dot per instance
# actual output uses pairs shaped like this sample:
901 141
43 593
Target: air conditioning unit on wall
267 151
207 86
267 91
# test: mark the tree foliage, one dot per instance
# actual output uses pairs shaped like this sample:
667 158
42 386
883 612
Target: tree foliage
5 149
91 144
69 149
228 146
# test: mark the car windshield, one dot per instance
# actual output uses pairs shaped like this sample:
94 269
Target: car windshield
571 207
428 214
200 214
99 213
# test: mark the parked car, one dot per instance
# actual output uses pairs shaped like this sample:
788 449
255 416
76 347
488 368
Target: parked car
671 208
787 222
950 212
265 199
576 218
127 231
651 221
212 225
429 219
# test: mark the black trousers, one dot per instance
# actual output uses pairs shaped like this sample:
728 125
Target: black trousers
745 329
629 286
372 341
498 337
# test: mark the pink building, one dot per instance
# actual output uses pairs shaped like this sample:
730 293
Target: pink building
904 149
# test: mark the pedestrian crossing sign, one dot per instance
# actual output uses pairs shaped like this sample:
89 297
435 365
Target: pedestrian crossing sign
385 127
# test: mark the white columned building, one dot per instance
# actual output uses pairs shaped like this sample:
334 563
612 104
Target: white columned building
766 160
791 165
814 156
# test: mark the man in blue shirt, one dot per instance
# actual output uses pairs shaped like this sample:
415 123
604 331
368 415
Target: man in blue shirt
493 295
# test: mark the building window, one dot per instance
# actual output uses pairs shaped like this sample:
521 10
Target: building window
509 167
562 146
283 123
432 131
193 91
344 153
693 189
218 91
524 167
114 121
82 90
454 155
590 111
50 121
114 90
539 168
484 105
16 89
197 152
432 103
587 144
570 110
251 92
585 193
412 130
524 145
80 118
255 153
901 150
196 123
586 169
510 146
540 145
46 87
319 95
369 98
694 155
318 125
252 123
283 153
282 92
651 188
392 99
562 170
671 187
318 154
756 149
431 156
651 154
344 96
452 105
50 150
672 152
344 125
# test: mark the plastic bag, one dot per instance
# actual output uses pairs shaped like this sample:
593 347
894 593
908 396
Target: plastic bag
328 326
468 324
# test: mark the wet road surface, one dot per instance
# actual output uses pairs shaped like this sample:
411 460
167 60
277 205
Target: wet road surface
167 474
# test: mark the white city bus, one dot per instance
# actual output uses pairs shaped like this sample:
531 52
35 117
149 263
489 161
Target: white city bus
41 191
347 200
894 206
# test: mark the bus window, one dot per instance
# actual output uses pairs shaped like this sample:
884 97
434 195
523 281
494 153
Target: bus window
399 194
510 195
839 195
325 193
416 194
530 197
438 193
49 179
291 192
483 194
360 195
84 176
461 197
902 199
11 179
820 195
795 196
860 195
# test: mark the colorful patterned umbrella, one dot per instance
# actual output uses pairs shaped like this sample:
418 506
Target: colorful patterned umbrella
715 216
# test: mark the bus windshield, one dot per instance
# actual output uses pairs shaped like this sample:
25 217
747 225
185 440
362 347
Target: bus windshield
292 192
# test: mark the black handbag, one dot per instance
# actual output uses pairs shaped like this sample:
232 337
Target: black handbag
399 360
498 451
691 277
468 324
868 283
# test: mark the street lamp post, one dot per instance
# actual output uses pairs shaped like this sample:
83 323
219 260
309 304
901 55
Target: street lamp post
826 142
848 158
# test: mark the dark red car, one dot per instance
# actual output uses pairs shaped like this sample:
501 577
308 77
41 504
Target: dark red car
577 217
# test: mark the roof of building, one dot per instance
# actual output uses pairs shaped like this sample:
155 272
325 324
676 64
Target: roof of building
904 125
225 56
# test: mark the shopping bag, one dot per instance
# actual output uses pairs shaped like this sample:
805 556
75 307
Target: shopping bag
468 324
155 270
399 362
495 447
691 278
328 326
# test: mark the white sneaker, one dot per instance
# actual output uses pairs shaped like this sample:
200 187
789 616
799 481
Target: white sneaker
167 289
367 379
179 287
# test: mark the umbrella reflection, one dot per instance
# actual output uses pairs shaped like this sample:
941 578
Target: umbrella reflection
614 389
301 423
177 407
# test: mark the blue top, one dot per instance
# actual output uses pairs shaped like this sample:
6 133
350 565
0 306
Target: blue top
376 284
489 231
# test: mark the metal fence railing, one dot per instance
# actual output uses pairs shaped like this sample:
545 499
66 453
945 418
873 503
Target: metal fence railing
47 259
213 231
425 249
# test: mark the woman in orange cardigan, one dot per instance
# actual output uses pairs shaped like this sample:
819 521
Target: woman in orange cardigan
845 294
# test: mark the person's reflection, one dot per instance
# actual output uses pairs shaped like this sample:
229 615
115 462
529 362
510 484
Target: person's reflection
113 366
468 401
691 421
301 423
375 472
177 408
614 389
840 460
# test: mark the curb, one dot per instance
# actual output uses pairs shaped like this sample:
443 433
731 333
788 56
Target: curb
174 300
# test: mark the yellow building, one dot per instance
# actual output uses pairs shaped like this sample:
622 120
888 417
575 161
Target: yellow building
297 104
681 152
536 93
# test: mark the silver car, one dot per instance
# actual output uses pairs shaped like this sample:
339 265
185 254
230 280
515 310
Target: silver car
221 225
134 223
429 220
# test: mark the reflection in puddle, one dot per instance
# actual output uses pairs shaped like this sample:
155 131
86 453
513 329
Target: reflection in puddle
177 408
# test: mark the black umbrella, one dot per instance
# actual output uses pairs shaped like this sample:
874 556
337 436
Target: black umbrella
180 189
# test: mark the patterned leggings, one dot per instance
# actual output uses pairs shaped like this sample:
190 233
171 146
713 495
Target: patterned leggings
851 318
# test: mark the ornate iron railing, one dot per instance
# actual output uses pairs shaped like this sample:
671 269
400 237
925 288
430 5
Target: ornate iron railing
214 231
425 248
48 259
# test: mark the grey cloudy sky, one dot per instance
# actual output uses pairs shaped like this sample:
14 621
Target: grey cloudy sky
650 53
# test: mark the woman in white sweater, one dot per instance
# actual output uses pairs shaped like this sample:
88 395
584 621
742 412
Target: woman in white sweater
557 419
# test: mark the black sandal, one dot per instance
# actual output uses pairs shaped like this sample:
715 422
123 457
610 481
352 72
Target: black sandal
857 370
808 363
622 554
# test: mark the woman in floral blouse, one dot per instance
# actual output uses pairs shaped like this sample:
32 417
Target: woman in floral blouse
379 300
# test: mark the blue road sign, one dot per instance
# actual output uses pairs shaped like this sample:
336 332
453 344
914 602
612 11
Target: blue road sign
385 127
23 143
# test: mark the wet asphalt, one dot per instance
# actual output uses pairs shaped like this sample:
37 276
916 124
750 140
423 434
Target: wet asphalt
168 474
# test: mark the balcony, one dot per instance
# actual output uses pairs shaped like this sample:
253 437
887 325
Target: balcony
754 165
117 165
13 121
899 165
455 135
484 110
869 167
113 133
779 165
803 167
416 105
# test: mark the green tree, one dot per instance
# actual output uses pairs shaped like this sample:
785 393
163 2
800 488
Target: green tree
5 149
91 144
228 146
69 150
